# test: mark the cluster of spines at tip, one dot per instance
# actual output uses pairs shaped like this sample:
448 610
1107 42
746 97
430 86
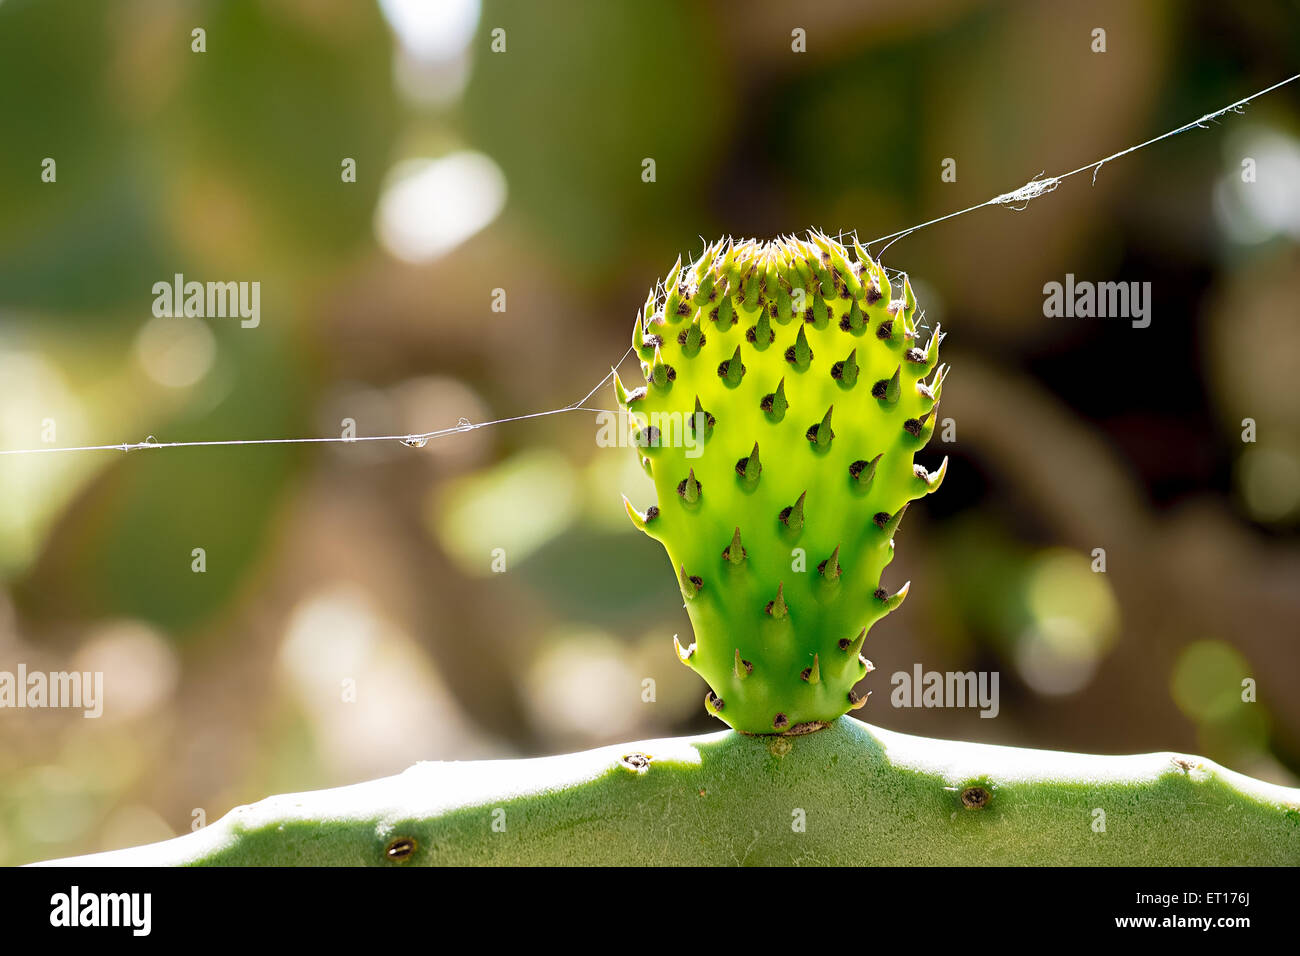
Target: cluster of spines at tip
765 275
760 273
753 270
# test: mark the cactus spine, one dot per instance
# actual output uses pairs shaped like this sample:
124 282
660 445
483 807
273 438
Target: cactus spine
786 392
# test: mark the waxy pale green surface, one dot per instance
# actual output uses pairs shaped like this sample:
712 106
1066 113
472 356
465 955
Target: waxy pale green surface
851 795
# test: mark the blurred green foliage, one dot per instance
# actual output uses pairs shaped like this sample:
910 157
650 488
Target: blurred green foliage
225 165
577 102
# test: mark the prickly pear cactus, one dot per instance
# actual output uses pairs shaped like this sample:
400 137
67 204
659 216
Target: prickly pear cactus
786 394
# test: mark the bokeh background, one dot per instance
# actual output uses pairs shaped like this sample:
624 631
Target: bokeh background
521 170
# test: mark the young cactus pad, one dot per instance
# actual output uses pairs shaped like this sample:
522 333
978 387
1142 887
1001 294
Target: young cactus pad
786 392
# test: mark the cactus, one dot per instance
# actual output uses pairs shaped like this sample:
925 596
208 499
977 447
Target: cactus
786 392
870 796
785 398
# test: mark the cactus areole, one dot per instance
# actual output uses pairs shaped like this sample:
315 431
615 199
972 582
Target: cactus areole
786 393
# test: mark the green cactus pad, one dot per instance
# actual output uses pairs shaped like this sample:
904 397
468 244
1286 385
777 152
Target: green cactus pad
786 392
871 797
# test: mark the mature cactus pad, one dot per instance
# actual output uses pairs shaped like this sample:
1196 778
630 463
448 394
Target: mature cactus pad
786 393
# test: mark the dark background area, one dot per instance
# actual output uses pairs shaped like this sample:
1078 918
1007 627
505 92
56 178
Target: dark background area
521 170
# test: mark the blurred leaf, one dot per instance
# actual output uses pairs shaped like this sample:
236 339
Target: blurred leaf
102 255
272 109
123 549
240 159
84 240
849 127
602 578
576 103
516 506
